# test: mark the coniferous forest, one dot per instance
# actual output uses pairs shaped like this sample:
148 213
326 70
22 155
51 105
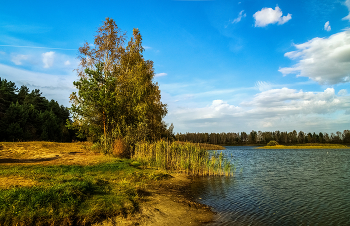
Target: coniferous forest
27 116
256 138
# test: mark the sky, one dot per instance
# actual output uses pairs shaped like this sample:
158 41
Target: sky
221 66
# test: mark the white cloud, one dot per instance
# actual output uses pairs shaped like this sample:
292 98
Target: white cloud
263 86
48 59
290 101
347 4
324 60
240 15
268 16
53 86
327 27
17 59
67 63
147 47
275 109
342 92
160 74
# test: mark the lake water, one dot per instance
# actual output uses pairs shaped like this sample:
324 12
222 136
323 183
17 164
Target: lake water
280 187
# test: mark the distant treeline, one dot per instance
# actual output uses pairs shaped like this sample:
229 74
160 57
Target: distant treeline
28 116
264 137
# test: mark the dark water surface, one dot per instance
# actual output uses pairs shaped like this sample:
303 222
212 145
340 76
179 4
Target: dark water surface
280 187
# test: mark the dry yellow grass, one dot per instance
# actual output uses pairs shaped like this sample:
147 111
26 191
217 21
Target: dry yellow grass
15 181
50 153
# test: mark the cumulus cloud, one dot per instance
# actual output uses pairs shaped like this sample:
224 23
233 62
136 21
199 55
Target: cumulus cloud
273 109
67 63
327 27
240 15
268 16
287 101
160 74
17 59
347 4
48 59
324 60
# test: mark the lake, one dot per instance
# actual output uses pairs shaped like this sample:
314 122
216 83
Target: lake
280 187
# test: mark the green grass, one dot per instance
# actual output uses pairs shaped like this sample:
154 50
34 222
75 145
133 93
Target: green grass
73 194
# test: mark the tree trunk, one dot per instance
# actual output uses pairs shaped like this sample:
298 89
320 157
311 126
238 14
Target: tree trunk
104 128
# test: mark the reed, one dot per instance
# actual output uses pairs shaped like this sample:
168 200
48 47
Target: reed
204 146
188 158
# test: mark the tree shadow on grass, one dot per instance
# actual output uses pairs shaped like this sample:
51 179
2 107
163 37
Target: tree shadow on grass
11 160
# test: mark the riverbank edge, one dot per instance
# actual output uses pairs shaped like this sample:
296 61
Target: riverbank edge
167 202
302 147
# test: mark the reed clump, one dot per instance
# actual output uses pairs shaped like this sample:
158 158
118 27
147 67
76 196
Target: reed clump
183 157
204 146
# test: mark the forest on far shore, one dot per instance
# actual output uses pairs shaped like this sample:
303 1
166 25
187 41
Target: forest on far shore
256 138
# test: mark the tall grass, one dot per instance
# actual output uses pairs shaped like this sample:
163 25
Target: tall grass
182 157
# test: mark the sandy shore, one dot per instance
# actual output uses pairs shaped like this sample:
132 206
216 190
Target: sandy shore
166 203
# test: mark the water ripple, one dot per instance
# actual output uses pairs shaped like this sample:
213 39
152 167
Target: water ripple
281 187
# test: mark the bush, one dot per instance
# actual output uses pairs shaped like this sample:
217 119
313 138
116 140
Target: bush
120 149
272 143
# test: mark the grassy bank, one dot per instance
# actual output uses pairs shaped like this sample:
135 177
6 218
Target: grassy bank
48 183
307 146
36 190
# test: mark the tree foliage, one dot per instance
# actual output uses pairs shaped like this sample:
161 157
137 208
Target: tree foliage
265 137
116 96
28 116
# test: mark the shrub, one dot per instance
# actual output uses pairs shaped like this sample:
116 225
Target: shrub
120 149
272 143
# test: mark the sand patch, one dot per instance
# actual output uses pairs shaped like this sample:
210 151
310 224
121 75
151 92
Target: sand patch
50 153
167 203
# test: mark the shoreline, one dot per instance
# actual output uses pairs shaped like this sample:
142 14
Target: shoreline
167 202
305 147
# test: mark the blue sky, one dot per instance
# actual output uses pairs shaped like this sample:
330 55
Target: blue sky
222 66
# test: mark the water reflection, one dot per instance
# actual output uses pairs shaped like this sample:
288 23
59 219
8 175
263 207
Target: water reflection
281 187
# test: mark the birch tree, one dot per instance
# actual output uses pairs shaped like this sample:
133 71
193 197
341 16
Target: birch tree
116 96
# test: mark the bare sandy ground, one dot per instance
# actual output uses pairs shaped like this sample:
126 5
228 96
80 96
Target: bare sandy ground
168 203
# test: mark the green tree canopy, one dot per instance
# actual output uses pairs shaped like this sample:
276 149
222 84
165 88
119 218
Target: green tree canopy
27 116
116 96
